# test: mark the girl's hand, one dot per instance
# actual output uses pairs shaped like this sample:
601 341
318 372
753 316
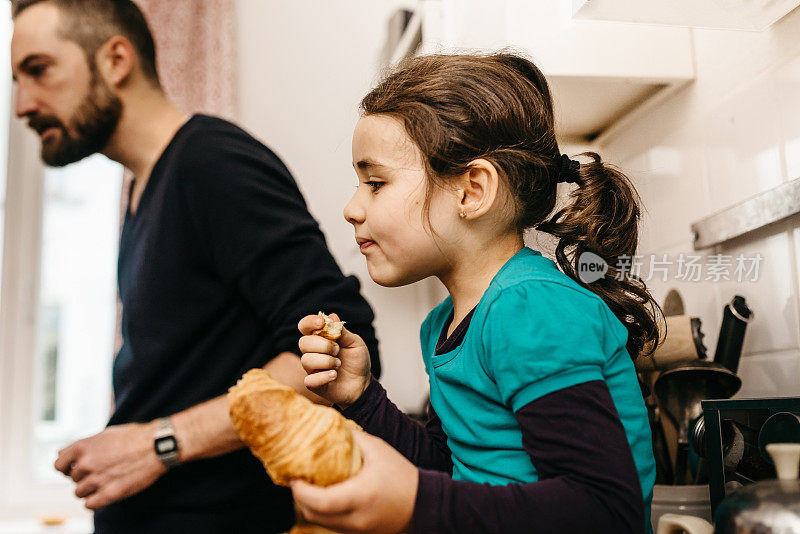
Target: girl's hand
337 370
364 502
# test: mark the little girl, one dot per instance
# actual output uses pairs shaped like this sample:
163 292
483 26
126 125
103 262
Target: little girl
537 422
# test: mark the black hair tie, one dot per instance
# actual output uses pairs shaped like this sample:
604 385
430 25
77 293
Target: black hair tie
568 170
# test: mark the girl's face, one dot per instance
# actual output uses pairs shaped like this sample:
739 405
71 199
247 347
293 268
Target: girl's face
386 209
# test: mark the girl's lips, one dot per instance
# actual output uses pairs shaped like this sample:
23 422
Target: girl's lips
363 243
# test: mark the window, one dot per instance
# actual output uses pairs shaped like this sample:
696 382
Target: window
76 308
5 99
59 311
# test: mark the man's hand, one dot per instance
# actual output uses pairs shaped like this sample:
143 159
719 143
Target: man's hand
378 499
121 461
112 465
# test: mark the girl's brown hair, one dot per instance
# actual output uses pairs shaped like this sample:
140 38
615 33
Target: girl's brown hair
458 108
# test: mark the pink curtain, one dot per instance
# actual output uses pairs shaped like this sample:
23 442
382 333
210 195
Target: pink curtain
195 55
196 60
196 52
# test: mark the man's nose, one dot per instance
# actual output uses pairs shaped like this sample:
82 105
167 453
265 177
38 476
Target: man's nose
353 211
25 103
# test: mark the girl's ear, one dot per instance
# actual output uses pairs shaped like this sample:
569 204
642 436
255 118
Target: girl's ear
477 189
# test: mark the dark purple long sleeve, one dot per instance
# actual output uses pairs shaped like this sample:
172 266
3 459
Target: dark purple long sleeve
587 477
425 447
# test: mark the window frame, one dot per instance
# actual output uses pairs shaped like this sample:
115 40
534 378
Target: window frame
21 496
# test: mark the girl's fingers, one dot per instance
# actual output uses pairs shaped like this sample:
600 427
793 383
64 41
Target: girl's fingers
335 522
318 344
313 362
317 380
309 323
325 501
349 339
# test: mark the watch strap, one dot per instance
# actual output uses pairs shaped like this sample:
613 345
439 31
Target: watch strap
165 443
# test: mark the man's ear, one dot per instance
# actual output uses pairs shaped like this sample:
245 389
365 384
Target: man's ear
115 60
477 189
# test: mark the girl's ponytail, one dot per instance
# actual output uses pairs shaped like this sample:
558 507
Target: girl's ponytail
603 219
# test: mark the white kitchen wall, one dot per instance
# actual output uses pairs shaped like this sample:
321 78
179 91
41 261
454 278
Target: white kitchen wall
304 65
732 133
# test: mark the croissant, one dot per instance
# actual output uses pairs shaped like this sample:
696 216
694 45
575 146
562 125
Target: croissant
331 329
293 437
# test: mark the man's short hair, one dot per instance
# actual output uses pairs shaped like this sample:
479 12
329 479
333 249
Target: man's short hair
90 23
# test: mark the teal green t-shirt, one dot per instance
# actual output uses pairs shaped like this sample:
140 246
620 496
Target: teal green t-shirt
534 331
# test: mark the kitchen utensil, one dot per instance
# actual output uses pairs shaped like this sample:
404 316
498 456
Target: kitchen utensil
664 474
683 524
749 416
782 427
735 317
673 303
732 441
771 506
680 388
733 446
691 500
682 341
767 507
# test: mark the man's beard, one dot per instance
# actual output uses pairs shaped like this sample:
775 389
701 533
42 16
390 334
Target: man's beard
92 124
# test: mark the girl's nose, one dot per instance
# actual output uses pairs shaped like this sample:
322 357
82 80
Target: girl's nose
353 211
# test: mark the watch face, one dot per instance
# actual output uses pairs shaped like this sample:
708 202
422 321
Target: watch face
166 445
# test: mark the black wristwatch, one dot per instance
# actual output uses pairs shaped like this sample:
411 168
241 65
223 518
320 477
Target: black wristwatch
165 444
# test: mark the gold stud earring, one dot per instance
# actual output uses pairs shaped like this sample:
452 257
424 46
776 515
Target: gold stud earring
463 214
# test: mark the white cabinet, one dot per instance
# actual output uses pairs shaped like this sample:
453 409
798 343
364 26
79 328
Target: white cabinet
721 14
599 71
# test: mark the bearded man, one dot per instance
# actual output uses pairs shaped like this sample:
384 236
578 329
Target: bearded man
219 259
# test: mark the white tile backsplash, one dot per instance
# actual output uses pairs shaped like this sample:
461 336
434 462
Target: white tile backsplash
772 297
787 82
776 374
742 145
676 194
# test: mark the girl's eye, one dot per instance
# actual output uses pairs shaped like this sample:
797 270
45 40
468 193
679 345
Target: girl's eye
374 185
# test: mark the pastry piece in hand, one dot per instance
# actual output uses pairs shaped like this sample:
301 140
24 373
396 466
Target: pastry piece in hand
331 330
293 437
